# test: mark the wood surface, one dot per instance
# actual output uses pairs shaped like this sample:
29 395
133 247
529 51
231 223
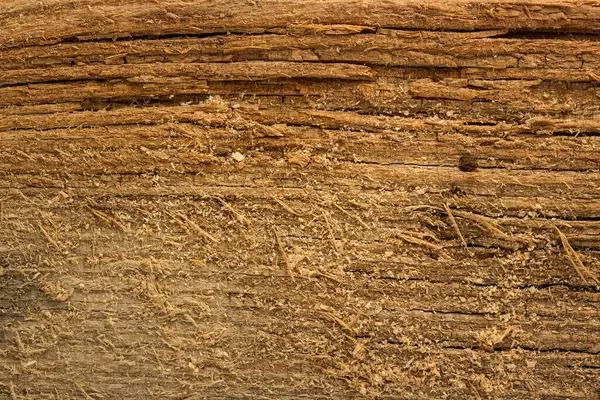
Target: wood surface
270 199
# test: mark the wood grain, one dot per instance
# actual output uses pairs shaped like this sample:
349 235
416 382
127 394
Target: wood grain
271 199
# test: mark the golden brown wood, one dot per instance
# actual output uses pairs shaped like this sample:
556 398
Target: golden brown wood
299 199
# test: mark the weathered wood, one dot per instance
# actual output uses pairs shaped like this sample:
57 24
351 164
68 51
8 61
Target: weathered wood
299 199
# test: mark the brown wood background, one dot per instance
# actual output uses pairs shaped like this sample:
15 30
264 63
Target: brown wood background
270 199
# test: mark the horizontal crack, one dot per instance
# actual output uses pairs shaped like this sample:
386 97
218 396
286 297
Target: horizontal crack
584 366
131 38
526 348
522 34
497 349
539 286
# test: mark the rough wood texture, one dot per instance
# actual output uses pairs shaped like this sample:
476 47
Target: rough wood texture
299 199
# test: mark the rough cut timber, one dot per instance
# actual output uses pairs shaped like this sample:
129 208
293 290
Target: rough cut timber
274 199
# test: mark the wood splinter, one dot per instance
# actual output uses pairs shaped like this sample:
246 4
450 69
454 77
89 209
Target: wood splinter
284 256
455 225
574 259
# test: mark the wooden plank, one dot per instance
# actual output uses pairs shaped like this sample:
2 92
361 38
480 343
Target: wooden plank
284 200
